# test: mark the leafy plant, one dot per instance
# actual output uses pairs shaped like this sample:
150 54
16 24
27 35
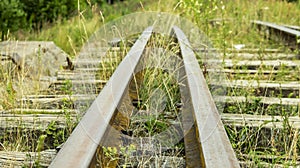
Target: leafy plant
12 16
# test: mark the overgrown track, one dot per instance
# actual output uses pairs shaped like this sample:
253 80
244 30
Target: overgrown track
125 127
205 141
290 35
261 114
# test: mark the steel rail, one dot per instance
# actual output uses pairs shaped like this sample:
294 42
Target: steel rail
289 34
211 147
278 27
292 27
214 145
89 132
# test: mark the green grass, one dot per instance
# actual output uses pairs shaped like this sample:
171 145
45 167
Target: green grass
276 146
155 91
235 28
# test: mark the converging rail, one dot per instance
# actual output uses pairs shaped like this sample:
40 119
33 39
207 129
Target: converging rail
216 150
156 110
206 143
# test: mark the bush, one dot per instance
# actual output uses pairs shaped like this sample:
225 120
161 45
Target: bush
12 16
42 11
32 14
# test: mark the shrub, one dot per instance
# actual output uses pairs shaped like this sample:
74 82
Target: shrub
12 16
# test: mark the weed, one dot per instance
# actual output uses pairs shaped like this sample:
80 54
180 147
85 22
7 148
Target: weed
226 23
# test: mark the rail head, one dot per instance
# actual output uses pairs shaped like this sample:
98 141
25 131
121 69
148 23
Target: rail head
215 145
80 147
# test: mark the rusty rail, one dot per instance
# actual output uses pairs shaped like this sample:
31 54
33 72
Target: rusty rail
209 146
92 126
215 147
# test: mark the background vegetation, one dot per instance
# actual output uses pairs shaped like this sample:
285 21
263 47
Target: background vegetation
34 14
69 23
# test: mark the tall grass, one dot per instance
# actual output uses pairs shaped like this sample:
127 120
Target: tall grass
226 23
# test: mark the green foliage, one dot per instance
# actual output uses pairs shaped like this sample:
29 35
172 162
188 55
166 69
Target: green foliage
12 16
55 135
33 14
43 11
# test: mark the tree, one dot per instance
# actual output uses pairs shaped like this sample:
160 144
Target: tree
12 16
48 11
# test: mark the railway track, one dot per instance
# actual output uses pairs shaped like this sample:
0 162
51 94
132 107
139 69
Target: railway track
261 107
288 34
108 109
263 100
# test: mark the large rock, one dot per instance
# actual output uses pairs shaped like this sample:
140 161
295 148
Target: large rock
39 57
31 65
